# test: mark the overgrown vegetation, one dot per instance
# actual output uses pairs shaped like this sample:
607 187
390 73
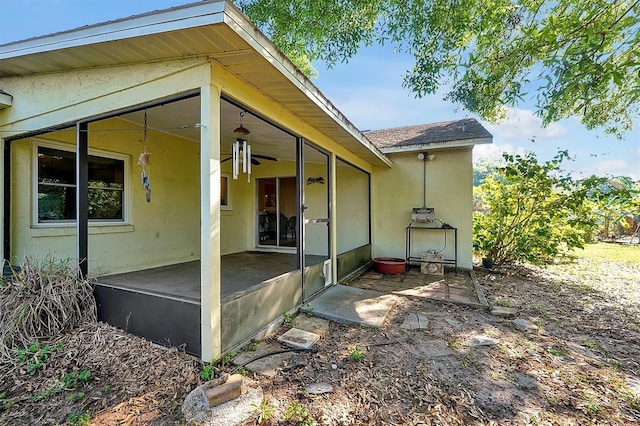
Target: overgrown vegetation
42 299
35 356
527 211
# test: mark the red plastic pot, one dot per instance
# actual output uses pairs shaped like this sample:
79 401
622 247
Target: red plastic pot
389 265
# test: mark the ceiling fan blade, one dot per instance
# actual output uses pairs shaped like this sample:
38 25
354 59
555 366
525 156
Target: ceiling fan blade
226 159
254 161
264 157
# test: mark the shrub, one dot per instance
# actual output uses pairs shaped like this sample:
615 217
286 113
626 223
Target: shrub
40 301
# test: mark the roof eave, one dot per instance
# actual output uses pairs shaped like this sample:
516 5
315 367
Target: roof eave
243 27
464 143
174 19
192 15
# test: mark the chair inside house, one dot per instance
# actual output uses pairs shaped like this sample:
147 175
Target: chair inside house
291 227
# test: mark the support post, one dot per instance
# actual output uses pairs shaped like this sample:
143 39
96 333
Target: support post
211 329
82 197
6 200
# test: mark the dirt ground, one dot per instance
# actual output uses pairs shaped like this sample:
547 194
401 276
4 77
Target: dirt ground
575 360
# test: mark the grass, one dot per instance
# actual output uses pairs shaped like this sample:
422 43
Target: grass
607 252
265 411
208 372
356 354
299 415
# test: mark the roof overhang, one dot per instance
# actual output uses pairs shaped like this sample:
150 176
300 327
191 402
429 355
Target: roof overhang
211 28
464 143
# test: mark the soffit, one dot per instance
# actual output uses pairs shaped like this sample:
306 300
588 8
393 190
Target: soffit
214 29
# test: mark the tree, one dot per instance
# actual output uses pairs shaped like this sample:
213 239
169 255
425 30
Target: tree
532 212
483 168
615 200
579 58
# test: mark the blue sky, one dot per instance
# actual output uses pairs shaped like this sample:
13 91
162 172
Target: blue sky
367 89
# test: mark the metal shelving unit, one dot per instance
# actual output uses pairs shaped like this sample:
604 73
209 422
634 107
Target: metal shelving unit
422 226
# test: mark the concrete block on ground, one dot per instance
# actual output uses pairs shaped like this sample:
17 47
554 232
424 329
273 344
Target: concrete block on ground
504 312
311 324
297 338
482 340
267 366
216 393
415 322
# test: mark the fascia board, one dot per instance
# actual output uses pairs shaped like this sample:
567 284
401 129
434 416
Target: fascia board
437 145
175 19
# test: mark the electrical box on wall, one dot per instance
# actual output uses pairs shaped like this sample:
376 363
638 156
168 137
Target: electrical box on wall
423 214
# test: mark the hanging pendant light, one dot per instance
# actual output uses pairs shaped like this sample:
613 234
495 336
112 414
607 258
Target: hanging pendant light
241 131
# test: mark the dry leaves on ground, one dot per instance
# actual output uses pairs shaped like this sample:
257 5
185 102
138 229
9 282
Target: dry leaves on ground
576 367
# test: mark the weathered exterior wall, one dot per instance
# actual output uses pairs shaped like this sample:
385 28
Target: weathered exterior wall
352 209
449 190
161 232
243 317
41 101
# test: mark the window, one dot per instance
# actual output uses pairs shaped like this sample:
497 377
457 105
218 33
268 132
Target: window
225 201
56 190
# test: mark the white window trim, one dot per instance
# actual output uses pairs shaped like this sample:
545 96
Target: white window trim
228 206
37 142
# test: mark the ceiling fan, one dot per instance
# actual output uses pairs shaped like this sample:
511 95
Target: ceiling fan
254 157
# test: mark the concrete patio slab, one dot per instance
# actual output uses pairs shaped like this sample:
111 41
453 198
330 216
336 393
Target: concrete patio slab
352 305
460 287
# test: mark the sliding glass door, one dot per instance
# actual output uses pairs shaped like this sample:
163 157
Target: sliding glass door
276 216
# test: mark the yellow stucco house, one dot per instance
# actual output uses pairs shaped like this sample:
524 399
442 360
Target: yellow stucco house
202 180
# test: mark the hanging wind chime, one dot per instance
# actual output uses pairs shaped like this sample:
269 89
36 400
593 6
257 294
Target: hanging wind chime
143 160
241 152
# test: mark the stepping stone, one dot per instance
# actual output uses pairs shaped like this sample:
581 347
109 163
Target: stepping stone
452 322
296 361
482 340
315 325
435 349
504 312
525 381
267 366
318 388
415 322
524 325
297 338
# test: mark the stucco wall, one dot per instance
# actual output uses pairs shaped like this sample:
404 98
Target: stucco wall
161 232
352 209
449 190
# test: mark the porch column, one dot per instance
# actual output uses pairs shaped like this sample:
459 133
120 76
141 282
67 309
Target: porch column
5 211
333 250
210 223
82 197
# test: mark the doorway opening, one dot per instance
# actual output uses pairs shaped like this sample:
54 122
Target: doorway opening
277 213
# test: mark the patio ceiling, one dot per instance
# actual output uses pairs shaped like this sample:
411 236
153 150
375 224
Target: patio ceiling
212 28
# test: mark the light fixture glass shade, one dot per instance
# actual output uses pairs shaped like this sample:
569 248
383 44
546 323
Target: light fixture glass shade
243 131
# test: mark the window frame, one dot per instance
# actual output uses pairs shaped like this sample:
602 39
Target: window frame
126 159
226 188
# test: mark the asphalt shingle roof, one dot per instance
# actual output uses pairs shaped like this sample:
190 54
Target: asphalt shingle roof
425 134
